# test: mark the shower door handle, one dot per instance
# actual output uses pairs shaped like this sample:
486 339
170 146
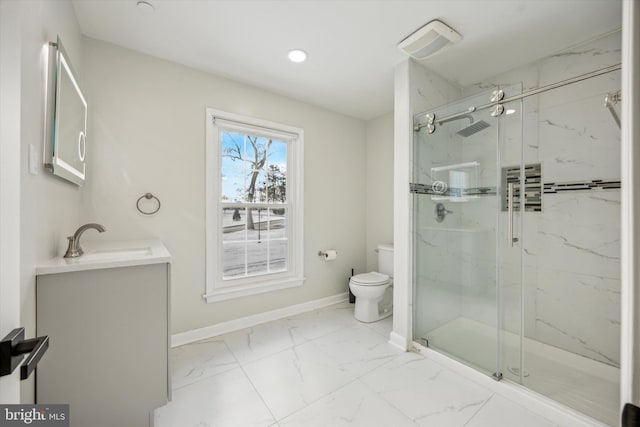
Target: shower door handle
512 239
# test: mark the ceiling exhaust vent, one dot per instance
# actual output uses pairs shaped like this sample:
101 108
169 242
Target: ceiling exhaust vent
429 39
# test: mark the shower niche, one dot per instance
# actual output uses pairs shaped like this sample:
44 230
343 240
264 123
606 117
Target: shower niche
533 187
456 183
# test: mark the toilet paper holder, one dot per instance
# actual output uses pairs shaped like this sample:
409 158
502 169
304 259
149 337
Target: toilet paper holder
326 254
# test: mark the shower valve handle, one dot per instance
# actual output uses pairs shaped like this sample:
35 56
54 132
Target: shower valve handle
441 212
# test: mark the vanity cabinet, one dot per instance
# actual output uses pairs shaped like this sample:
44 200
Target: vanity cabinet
109 341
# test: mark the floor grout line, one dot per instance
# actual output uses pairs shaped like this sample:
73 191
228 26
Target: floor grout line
379 395
479 409
260 395
317 400
325 364
227 368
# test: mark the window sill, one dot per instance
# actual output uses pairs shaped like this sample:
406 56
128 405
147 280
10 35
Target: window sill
224 294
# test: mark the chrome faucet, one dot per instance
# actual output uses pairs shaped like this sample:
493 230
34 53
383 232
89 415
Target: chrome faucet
74 250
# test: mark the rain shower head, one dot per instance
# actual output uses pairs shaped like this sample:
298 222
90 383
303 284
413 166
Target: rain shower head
473 128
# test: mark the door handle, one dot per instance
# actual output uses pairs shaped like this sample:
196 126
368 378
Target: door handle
13 347
630 415
512 239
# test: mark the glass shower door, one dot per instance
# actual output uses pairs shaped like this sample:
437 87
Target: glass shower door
460 232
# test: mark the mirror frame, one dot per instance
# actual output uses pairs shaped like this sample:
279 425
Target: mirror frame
58 63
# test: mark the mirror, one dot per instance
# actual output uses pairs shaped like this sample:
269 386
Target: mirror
66 118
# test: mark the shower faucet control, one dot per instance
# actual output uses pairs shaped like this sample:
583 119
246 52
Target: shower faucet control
441 212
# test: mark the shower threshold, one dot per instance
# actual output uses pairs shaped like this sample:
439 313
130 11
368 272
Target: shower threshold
584 384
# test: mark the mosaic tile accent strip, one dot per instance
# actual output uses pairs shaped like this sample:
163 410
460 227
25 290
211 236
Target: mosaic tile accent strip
451 192
596 184
534 188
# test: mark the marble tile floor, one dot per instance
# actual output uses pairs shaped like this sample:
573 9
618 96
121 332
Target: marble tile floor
324 368
583 384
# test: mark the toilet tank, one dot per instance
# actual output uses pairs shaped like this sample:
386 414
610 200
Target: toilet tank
385 259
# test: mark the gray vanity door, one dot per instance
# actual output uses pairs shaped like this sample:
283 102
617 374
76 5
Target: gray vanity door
109 343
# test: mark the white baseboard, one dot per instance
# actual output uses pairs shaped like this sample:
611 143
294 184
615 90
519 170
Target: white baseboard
398 341
256 319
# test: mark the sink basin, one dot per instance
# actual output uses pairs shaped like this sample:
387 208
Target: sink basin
111 254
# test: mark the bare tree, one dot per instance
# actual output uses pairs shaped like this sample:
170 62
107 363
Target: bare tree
257 158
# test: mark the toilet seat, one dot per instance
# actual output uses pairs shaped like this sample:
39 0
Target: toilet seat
370 279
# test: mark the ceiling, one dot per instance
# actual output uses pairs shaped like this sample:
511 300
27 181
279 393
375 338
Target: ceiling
351 43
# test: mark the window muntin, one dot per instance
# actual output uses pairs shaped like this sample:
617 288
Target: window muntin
261 250
254 169
253 198
254 206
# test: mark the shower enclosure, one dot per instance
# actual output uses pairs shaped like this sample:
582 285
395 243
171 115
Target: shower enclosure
516 234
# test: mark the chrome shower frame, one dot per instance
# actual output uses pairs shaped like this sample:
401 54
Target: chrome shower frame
496 101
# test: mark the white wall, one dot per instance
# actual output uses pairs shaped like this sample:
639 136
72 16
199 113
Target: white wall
10 70
147 130
50 207
379 184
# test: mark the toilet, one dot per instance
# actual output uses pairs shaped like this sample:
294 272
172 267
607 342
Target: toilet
374 290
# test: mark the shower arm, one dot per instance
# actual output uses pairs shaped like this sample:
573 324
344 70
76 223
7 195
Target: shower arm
450 117
458 117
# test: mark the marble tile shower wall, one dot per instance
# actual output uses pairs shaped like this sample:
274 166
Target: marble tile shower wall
572 257
428 90
572 248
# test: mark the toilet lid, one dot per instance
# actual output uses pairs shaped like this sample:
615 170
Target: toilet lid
372 278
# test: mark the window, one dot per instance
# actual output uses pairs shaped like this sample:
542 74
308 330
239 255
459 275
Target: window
254 206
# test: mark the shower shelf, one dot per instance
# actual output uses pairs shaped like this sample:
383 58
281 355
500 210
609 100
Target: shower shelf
454 182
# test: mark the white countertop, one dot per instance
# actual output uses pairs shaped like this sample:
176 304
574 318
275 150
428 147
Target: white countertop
99 255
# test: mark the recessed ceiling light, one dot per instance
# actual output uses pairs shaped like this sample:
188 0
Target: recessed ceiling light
145 7
297 55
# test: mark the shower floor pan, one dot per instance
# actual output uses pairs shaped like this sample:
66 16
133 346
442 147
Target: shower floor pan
586 385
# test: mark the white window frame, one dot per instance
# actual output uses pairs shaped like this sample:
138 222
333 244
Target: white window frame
217 290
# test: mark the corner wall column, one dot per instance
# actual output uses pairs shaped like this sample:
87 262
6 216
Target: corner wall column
630 238
402 210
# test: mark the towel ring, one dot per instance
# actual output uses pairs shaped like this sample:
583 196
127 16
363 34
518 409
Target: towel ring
148 196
